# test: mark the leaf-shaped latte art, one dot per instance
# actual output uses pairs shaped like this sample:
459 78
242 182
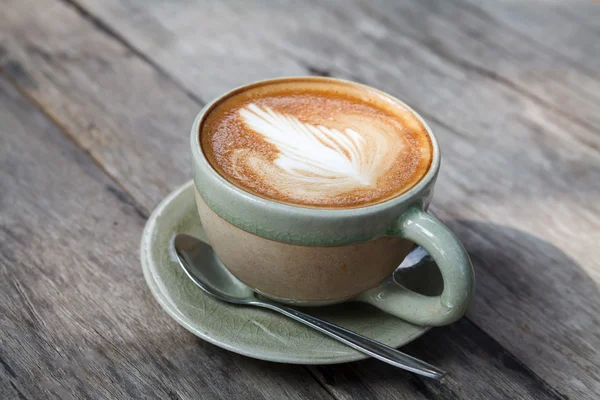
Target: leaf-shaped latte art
318 154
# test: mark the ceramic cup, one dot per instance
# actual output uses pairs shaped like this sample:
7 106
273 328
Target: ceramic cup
309 256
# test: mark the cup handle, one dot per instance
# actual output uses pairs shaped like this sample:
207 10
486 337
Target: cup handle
455 266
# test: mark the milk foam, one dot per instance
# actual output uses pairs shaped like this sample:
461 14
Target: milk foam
316 160
316 142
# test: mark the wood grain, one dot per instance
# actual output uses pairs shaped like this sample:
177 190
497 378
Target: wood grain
519 182
78 322
76 318
577 38
517 122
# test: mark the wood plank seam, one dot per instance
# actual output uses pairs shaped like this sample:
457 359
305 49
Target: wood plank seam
465 65
486 73
482 72
521 366
106 29
119 191
19 393
489 74
484 15
322 384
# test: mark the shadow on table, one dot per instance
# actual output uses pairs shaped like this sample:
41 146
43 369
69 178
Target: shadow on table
518 274
523 286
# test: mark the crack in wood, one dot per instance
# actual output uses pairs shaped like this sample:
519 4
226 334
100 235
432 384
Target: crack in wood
127 199
106 29
7 367
19 393
36 318
510 361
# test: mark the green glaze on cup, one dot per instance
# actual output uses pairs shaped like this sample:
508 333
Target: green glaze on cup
316 256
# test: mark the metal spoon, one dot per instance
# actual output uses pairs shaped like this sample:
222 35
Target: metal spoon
203 267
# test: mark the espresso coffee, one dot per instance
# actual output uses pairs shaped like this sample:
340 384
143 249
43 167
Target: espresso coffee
316 143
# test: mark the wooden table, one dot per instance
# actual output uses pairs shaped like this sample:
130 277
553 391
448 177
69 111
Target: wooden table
96 101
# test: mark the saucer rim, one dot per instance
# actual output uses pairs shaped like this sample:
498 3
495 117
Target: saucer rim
171 309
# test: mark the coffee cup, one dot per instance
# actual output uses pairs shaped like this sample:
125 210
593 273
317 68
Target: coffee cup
309 255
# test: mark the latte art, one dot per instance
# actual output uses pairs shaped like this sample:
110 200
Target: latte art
317 158
316 144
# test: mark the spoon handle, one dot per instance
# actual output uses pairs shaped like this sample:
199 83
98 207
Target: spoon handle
359 342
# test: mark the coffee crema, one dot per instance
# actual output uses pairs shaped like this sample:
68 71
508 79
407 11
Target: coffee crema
316 142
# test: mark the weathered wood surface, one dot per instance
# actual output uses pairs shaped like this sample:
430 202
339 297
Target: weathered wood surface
511 98
76 318
451 60
78 322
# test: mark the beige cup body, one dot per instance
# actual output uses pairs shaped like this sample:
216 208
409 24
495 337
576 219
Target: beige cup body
301 273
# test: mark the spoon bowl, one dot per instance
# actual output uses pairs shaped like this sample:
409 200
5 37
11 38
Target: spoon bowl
213 277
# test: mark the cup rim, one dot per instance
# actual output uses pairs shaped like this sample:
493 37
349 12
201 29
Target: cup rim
199 156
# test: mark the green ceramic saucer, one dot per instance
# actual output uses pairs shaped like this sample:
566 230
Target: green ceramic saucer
255 332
